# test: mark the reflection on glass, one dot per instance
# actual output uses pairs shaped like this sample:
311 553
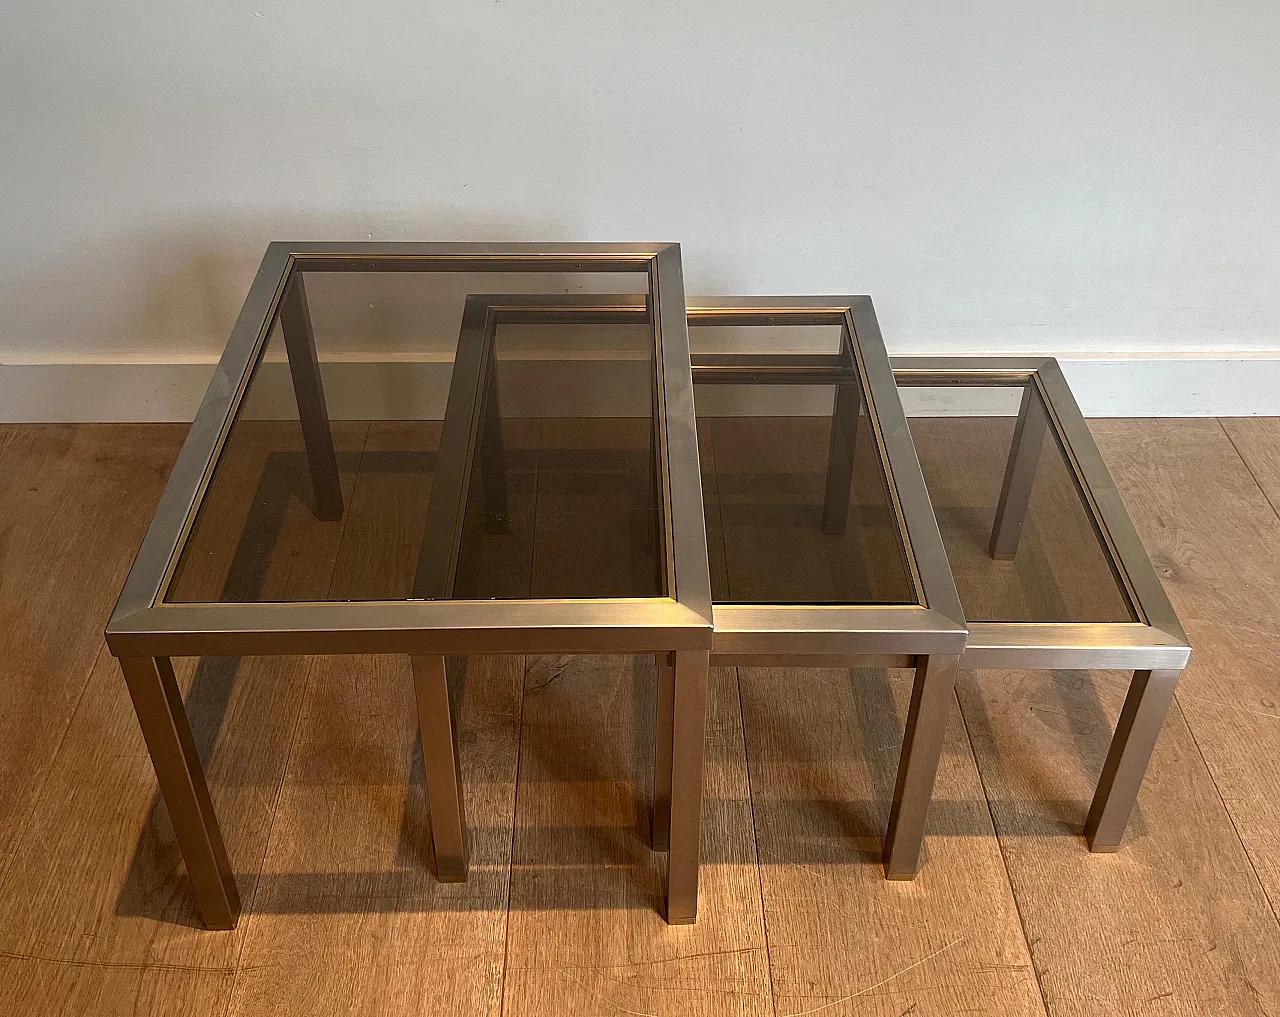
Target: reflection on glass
798 509
563 444
1059 570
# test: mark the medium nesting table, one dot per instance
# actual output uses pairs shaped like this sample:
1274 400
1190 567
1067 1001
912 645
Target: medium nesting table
261 443
850 572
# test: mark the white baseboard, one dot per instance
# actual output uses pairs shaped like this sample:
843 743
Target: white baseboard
1132 386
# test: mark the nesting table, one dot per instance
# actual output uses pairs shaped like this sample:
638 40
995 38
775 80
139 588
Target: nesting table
183 597
753 499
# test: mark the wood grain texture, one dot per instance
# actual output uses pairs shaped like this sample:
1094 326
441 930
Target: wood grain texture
823 747
1215 539
1257 441
586 929
1176 922
349 918
314 769
74 504
30 984
114 895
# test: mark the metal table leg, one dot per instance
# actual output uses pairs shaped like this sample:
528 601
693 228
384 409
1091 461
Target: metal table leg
844 437
308 390
163 720
1019 475
439 734
689 710
459 435
931 698
493 454
1150 694
665 718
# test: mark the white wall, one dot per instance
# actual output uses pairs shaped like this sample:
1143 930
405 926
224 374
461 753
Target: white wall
1024 177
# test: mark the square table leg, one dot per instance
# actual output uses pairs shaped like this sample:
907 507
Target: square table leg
439 735
689 713
493 456
163 719
664 720
1141 717
931 697
308 391
1019 475
844 437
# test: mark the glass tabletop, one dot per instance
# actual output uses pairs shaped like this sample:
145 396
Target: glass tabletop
479 450
1023 543
799 506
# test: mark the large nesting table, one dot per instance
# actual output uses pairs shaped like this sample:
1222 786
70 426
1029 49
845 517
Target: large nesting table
454 593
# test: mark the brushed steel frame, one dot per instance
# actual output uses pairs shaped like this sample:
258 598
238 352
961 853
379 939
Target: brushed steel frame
145 629
927 635
930 634
1154 645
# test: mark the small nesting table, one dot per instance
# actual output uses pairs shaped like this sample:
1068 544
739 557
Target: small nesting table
1108 609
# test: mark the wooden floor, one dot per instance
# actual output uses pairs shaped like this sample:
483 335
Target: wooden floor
316 775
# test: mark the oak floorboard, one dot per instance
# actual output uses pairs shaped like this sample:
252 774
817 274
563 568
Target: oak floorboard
75 501
96 915
823 747
349 917
1176 922
1205 517
31 984
586 931
1257 441
97 882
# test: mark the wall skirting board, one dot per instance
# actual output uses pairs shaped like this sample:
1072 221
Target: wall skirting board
1112 386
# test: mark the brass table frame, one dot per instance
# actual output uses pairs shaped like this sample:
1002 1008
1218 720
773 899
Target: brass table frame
1154 646
145 630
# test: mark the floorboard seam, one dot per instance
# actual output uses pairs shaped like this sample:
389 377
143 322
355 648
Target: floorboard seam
1008 876
511 851
249 913
1230 818
19 955
21 831
755 840
1187 719
1248 469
